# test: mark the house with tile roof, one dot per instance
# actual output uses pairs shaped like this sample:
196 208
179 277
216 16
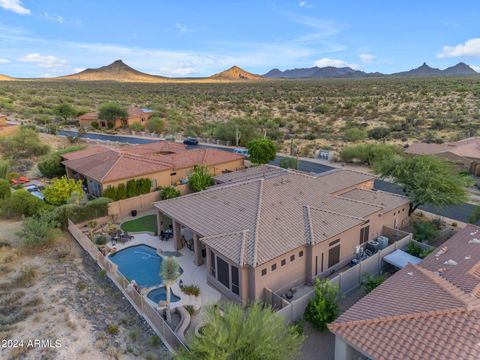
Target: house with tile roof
426 311
136 115
465 154
164 163
271 228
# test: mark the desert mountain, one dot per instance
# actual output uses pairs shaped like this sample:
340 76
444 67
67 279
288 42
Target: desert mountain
116 71
461 69
5 78
235 73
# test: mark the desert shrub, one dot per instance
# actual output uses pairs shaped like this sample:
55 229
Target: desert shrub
379 133
368 153
40 229
5 190
154 340
136 127
50 165
323 308
169 192
94 125
113 329
24 143
191 290
21 202
134 334
370 282
424 231
261 151
355 134
101 240
156 125
4 168
289 163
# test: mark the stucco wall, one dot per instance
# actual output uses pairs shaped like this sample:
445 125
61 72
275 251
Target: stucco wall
161 178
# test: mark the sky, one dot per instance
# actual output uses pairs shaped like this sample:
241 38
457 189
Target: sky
199 38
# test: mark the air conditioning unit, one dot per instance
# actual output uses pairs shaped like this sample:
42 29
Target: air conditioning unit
382 241
373 246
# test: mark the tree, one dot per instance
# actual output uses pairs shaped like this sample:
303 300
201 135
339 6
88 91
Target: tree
323 308
369 153
379 133
261 151
425 179
50 165
5 191
40 229
156 125
61 190
111 112
169 272
65 112
200 178
169 192
424 231
289 163
251 333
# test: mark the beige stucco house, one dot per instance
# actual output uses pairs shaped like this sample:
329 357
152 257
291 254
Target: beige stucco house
136 115
164 163
270 228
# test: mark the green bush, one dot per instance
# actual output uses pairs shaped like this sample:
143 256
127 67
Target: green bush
424 231
169 192
61 190
191 290
50 165
94 125
5 190
21 202
379 133
81 213
25 143
418 251
4 168
113 329
370 282
136 127
289 163
40 229
261 151
101 240
323 308
355 134
200 178
131 189
368 153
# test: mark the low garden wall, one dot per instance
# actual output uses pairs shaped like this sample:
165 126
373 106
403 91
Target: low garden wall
143 202
347 280
149 313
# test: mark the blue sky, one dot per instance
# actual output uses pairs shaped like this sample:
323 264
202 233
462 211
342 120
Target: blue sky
198 38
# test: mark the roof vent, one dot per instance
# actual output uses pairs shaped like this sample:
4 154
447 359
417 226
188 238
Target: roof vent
450 262
410 273
468 257
474 241
442 251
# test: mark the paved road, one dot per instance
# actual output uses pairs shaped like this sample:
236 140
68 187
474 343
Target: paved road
459 212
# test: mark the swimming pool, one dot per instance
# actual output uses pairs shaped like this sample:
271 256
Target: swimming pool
140 263
160 294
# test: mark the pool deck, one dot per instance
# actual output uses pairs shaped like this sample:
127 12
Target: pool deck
192 274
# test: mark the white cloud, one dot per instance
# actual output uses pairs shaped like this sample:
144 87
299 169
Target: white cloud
45 61
182 28
476 68
78 69
15 6
323 62
470 48
304 4
55 18
179 71
4 61
367 58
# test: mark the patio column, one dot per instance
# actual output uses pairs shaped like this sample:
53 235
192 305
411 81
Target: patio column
197 246
160 224
177 235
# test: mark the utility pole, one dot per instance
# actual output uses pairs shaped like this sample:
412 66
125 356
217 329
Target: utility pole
237 136
264 133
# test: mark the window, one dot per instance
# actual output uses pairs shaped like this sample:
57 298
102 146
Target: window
283 262
212 259
264 272
223 272
274 267
292 257
173 174
334 242
300 254
235 280
364 234
334 255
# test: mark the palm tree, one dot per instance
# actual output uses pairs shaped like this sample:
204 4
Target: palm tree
170 271
250 333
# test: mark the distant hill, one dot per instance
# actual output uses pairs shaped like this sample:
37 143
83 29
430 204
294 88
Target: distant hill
235 73
116 71
5 78
461 69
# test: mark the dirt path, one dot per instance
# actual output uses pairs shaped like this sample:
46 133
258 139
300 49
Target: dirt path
59 295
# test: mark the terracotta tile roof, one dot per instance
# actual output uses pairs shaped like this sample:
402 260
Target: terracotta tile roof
421 312
233 246
254 172
339 179
106 164
388 201
426 149
272 209
89 116
468 148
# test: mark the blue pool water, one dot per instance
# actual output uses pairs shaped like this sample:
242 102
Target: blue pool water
159 294
140 263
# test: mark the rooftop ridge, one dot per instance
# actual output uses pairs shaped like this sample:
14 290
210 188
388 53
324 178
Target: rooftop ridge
242 249
309 228
257 222
111 168
381 191
357 201
336 213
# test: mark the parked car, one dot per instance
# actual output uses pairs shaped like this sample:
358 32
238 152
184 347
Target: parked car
243 152
170 138
190 141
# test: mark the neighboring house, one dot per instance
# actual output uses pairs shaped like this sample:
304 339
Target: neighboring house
164 163
425 311
279 228
136 115
464 153
6 127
